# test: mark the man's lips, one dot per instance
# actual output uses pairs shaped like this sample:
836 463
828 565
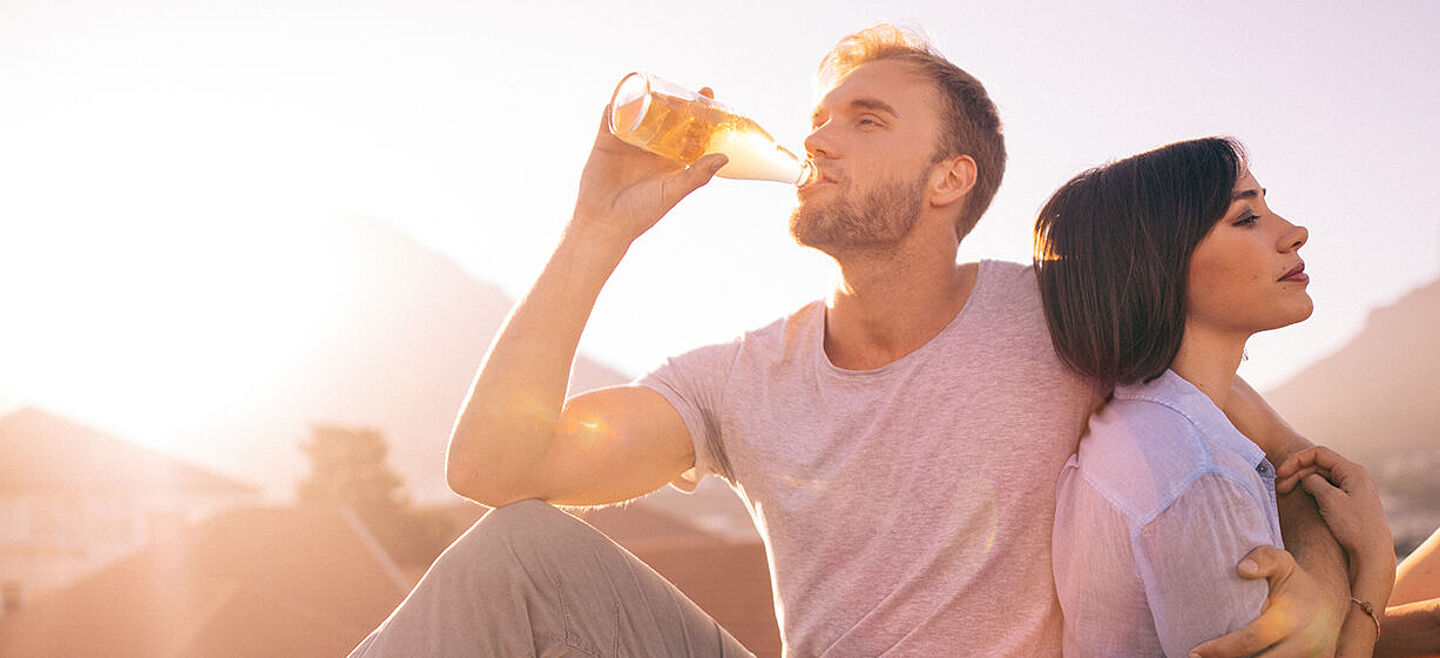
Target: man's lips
819 180
1296 274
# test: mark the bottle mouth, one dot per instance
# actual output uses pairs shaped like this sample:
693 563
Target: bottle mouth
629 103
809 173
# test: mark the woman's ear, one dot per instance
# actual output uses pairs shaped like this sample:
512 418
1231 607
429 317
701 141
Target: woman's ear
954 177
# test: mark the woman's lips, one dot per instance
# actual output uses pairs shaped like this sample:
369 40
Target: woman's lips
1297 274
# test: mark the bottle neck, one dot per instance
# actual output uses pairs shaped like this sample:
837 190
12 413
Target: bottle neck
808 173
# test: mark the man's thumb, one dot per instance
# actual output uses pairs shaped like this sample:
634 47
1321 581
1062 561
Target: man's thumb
704 169
1265 562
682 183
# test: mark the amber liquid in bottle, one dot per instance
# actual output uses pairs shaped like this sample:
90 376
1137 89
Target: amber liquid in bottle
683 126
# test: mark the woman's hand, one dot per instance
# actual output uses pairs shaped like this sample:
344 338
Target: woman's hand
1349 502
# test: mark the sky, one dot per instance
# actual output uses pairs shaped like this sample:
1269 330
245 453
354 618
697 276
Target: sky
160 160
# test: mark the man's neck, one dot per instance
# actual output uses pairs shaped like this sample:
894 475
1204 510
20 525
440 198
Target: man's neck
887 306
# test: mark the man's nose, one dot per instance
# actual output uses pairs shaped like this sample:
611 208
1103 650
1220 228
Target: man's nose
818 143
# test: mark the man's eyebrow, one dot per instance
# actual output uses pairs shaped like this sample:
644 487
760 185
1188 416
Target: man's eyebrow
1247 194
860 104
873 104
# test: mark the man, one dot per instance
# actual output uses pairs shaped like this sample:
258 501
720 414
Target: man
897 443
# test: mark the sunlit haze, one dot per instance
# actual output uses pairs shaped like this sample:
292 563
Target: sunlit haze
162 164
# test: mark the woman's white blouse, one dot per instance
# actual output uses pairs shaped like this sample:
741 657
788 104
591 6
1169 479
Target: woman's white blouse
1160 503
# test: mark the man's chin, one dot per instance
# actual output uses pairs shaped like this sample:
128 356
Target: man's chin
797 224
803 229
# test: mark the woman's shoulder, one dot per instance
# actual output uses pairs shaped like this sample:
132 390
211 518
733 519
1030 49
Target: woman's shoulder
1141 452
1141 430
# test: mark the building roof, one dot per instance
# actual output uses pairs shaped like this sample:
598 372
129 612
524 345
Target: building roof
40 451
307 581
730 581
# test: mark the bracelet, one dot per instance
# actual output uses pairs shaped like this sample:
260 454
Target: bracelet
1369 609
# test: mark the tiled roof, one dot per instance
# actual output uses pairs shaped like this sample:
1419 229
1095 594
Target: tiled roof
40 451
729 581
306 581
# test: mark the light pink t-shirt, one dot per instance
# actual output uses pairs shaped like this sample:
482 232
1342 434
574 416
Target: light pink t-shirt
907 509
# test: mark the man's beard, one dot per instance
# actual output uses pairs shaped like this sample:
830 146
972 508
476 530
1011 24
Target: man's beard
882 217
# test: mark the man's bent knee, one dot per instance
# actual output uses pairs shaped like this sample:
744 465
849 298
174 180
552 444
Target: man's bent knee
527 575
527 531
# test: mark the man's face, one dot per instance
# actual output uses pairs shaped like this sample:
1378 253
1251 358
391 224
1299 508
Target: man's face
874 138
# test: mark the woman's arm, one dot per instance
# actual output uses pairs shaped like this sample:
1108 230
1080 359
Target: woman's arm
1411 629
1186 559
1307 604
1418 578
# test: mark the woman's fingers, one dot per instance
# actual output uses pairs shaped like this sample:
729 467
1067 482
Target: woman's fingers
1328 496
1286 484
1313 456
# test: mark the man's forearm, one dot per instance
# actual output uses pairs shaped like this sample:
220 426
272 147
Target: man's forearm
1306 535
1256 419
1315 549
1304 530
509 417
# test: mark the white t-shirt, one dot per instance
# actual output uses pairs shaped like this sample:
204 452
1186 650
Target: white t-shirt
905 509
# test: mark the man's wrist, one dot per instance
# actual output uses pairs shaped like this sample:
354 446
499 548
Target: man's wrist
591 242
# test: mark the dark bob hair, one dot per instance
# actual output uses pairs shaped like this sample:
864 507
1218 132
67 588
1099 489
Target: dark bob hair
1112 255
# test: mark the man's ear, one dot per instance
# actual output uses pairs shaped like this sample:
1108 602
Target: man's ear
953 179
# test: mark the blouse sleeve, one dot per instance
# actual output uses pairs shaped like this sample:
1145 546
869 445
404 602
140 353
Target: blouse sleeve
1186 557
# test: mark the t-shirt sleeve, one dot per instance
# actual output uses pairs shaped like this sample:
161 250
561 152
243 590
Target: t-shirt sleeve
1186 559
694 383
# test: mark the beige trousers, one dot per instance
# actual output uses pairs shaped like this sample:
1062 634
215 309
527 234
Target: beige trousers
530 580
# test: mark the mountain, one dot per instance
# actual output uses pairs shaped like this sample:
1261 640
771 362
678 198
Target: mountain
1377 401
403 336
42 452
1380 393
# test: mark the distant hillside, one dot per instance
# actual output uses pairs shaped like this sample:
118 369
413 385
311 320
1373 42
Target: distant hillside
42 452
1379 393
404 339
1377 400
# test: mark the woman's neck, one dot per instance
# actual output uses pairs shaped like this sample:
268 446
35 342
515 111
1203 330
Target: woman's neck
1208 360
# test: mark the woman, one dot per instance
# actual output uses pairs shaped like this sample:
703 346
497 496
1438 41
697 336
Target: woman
1154 271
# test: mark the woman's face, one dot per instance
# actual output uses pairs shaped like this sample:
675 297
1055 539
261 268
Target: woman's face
1246 274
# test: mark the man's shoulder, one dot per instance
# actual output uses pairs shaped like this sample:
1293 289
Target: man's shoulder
1007 273
779 337
785 330
1006 285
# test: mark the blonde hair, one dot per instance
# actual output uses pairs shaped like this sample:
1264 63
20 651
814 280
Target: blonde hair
970 124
